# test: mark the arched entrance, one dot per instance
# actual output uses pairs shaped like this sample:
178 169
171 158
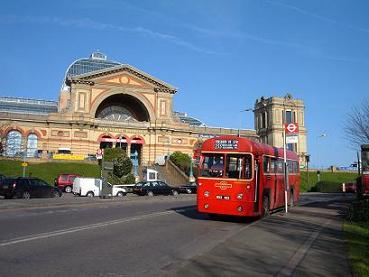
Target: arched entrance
136 146
106 142
122 142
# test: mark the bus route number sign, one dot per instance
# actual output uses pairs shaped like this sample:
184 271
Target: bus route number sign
226 144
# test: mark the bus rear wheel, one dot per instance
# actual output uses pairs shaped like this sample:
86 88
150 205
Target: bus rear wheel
266 209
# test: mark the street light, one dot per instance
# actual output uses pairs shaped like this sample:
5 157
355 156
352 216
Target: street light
245 110
323 135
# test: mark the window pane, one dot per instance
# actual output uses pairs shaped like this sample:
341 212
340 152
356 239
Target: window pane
239 166
13 144
32 146
213 165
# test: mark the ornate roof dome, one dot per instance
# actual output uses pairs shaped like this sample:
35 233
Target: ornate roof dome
97 61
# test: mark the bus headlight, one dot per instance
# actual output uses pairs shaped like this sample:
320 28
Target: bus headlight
239 208
206 194
206 206
240 196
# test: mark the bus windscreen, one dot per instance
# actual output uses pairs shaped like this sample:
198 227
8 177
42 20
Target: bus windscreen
235 166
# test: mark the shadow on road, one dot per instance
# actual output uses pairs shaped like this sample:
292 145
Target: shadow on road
191 212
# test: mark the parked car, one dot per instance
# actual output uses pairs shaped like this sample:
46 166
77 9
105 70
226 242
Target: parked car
65 182
190 188
27 188
349 187
152 188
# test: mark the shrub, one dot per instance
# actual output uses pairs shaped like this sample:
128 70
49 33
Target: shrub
115 180
111 154
122 166
117 167
182 160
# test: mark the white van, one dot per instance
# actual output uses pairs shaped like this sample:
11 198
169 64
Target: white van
92 187
87 186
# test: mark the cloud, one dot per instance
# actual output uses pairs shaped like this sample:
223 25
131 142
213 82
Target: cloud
319 17
92 24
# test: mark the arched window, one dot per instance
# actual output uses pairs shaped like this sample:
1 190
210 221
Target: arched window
32 146
13 143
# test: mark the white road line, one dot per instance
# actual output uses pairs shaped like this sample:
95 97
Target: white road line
86 227
296 259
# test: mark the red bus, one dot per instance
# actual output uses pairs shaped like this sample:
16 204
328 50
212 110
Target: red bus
244 178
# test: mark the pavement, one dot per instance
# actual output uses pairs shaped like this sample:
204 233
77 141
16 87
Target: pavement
308 241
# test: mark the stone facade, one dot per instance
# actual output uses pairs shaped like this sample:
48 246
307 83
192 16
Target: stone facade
270 115
89 115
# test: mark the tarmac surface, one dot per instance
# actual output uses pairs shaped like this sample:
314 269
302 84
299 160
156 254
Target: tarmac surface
308 241
165 236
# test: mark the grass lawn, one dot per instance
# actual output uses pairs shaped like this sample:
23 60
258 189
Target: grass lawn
330 180
48 171
357 236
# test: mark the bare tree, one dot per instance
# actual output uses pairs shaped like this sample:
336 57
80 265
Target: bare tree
356 125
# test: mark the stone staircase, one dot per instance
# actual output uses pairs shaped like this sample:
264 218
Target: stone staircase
171 174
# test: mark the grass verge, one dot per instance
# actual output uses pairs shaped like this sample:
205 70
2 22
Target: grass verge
329 181
357 237
48 171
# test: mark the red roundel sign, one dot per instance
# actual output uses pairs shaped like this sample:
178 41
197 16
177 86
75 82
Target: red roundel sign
291 128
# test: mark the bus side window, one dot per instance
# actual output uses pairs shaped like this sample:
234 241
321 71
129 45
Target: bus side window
290 166
267 167
279 166
273 165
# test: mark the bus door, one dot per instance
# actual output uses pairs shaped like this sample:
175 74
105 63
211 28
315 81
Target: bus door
279 188
258 188
269 181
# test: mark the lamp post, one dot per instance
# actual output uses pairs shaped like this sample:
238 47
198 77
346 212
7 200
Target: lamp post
245 110
323 135
285 168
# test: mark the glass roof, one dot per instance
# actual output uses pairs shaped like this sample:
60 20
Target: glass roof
27 106
188 119
95 62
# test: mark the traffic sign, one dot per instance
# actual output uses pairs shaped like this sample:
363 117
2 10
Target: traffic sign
292 139
99 154
291 128
24 164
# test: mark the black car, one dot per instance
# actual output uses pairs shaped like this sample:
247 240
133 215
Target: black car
152 188
27 188
190 188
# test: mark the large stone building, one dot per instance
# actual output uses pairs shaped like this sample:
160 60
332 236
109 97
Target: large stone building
270 115
102 104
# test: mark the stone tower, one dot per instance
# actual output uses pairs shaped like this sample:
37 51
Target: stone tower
270 114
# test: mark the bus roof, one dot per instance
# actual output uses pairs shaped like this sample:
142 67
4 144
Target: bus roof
231 143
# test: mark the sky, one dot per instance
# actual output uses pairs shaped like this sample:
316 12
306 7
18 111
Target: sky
221 55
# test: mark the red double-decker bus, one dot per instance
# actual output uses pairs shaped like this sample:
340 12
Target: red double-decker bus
244 178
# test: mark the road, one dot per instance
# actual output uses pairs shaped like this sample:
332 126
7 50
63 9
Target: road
134 236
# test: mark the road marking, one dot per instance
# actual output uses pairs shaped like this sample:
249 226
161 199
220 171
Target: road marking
87 227
296 259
